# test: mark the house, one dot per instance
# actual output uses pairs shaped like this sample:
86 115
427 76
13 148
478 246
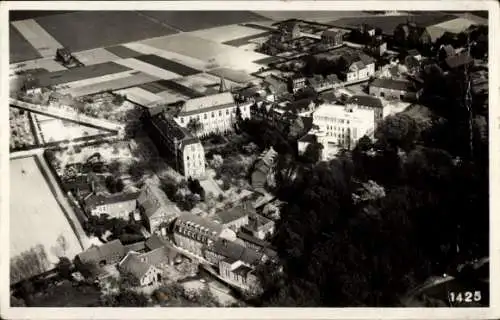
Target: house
361 69
157 211
445 51
216 113
458 62
31 85
289 30
233 218
263 167
192 233
296 82
392 89
236 273
223 249
63 55
141 272
118 205
252 242
154 244
259 226
320 83
136 247
92 261
332 37
275 86
183 148
364 101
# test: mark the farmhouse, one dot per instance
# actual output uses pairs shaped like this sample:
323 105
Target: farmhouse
92 262
262 169
362 68
392 89
141 272
216 113
118 205
184 149
155 207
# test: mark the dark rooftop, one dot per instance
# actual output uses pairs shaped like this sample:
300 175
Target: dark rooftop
95 200
392 84
308 138
458 60
227 216
366 101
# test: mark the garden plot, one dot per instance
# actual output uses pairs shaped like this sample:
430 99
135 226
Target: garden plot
54 130
40 39
32 205
226 33
154 46
95 56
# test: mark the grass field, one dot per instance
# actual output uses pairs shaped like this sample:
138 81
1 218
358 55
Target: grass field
95 56
54 130
167 64
196 20
84 30
148 68
38 37
318 16
123 52
238 42
233 75
19 48
36 219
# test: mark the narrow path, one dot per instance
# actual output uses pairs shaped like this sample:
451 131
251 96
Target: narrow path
159 22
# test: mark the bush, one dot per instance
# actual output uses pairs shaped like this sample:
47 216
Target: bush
226 185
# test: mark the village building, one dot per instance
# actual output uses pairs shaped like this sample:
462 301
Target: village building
249 241
216 113
94 262
184 149
296 82
361 68
259 226
156 209
223 249
119 205
192 233
139 246
458 62
289 30
320 83
141 272
371 103
341 126
445 51
392 89
263 168
236 273
63 55
233 218
332 37
275 87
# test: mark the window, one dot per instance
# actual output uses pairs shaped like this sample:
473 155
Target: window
227 111
205 116
213 115
182 120
220 113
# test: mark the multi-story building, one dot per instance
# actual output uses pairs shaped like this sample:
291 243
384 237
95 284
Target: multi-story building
115 205
215 113
371 103
233 218
193 233
289 30
343 125
393 89
360 69
296 82
184 149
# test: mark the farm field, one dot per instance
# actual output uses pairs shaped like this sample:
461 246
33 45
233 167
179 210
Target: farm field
90 81
238 42
28 219
171 96
71 75
111 85
318 16
38 37
167 64
84 30
227 33
95 56
196 20
148 68
233 75
19 48
123 52
139 95
44 63
55 130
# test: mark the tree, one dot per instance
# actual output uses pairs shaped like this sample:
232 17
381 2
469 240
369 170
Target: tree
194 126
195 187
64 267
125 298
313 151
398 131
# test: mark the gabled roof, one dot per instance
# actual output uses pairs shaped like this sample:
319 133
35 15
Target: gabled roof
358 65
365 100
205 103
95 200
152 199
249 238
235 252
133 265
366 59
154 242
95 254
257 222
159 256
413 52
331 33
138 246
230 215
187 219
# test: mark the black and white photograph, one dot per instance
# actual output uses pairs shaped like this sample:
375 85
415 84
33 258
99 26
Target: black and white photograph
264 158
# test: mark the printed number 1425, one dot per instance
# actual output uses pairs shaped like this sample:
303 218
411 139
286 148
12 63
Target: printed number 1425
465 297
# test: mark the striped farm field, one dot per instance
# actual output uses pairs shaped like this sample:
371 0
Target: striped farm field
96 80
140 96
19 48
168 64
246 40
112 85
233 75
76 74
148 68
123 52
95 56
84 30
38 37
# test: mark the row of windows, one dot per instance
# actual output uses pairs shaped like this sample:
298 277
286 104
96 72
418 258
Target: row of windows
334 120
228 112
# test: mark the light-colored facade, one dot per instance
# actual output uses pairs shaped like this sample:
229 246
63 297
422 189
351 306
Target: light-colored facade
359 71
238 274
216 113
343 125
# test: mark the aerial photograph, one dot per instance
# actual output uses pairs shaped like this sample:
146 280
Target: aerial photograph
249 159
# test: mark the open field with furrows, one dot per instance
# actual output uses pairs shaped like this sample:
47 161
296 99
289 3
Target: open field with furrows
95 56
226 33
123 52
39 229
196 20
84 30
168 65
19 48
233 75
38 37
44 63
147 68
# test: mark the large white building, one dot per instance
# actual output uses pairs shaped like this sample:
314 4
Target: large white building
216 113
342 125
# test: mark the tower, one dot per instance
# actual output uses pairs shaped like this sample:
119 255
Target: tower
222 86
